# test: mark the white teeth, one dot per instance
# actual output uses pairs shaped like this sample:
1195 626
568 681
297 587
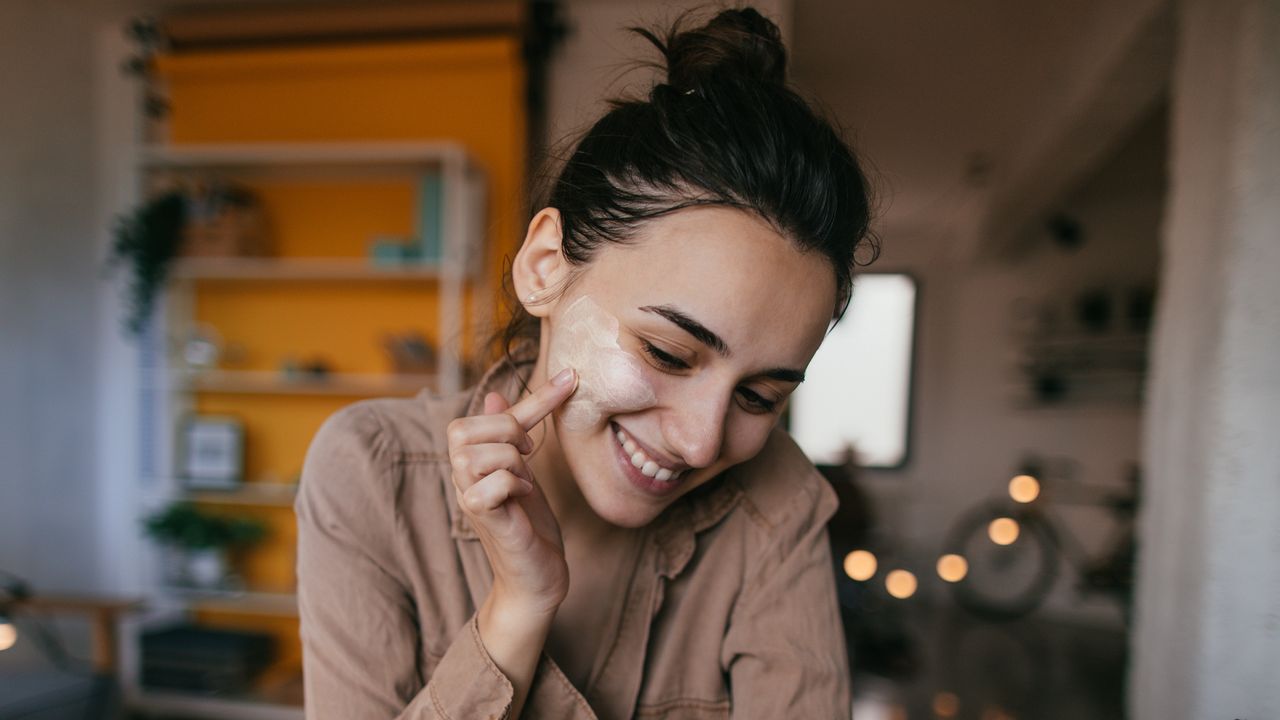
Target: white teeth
647 467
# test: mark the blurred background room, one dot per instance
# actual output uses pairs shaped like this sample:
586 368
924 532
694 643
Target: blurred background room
1051 414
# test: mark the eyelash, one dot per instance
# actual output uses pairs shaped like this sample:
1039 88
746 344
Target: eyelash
669 362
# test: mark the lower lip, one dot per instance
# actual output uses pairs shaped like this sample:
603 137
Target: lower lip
651 486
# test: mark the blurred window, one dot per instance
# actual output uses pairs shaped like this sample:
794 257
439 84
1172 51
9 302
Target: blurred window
857 389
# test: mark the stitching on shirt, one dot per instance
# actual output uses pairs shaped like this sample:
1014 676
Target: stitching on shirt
573 691
754 513
435 702
683 704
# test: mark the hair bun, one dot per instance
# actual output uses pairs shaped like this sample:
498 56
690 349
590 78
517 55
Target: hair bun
740 44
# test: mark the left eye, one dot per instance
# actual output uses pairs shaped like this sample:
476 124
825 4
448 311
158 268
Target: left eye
663 358
757 403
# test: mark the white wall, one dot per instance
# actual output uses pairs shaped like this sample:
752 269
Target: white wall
49 280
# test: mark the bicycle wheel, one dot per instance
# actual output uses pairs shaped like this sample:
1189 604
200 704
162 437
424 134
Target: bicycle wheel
1004 581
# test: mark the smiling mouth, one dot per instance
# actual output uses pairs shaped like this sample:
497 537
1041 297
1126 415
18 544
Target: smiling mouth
642 461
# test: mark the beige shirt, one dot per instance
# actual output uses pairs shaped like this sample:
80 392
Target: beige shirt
730 611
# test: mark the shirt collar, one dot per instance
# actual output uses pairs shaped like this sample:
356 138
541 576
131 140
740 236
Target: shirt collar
674 532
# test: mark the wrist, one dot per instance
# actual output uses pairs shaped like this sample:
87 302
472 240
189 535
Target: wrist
514 614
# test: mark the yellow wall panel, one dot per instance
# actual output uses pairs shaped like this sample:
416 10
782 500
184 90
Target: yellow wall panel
335 219
343 322
470 91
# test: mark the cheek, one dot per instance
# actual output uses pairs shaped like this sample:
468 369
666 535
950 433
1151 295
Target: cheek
610 380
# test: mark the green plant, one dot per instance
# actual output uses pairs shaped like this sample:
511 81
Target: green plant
150 237
184 525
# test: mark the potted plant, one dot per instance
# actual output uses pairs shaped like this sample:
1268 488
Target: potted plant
205 220
150 238
200 541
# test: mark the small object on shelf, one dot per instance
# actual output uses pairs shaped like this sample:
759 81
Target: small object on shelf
192 658
224 220
430 217
411 353
313 370
391 251
202 347
212 452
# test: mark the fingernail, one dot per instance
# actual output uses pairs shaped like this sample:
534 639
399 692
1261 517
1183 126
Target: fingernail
563 378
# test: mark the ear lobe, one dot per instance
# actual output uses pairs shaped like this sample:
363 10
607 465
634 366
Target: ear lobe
540 266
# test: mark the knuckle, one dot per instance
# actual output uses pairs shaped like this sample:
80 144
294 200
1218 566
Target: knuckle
456 433
472 501
463 460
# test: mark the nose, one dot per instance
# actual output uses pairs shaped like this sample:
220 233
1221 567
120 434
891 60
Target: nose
694 425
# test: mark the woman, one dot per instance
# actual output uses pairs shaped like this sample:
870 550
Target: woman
611 524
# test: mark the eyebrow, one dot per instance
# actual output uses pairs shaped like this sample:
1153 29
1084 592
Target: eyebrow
704 335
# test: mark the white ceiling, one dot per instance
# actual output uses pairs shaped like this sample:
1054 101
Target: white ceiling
928 88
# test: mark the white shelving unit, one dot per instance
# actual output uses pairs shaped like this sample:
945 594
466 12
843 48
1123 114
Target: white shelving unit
168 389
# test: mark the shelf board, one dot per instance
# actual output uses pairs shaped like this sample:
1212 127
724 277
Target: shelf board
313 269
274 158
172 702
266 382
251 493
240 601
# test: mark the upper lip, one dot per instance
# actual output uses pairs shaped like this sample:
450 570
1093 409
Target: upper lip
659 458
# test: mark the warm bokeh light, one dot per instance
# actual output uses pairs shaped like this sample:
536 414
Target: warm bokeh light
900 584
1024 488
8 636
1003 531
860 565
952 568
946 704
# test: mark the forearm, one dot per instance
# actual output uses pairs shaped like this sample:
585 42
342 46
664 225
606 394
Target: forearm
514 638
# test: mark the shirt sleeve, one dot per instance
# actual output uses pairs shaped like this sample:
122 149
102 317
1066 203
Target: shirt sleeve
361 644
785 649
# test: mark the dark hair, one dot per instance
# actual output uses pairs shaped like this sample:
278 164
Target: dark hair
724 129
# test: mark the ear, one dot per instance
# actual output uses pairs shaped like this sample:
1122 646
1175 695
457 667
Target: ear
540 267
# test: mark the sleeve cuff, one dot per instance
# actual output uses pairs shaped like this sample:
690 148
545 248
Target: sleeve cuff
467 683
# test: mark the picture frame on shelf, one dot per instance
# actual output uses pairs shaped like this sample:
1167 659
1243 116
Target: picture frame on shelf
212 452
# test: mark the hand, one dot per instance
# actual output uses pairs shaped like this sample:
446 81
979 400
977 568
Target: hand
500 496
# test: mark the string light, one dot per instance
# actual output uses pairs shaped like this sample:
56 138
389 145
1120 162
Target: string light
8 634
860 565
900 584
946 704
952 568
1003 531
1024 488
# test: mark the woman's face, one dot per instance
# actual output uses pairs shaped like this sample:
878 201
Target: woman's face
688 341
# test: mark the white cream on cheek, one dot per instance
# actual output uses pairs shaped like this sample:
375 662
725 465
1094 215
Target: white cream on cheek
610 380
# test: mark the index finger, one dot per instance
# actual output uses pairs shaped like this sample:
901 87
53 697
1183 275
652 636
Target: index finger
530 410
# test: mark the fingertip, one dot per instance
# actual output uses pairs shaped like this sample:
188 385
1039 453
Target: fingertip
494 403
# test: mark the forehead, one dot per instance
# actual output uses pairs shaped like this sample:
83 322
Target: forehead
729 270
